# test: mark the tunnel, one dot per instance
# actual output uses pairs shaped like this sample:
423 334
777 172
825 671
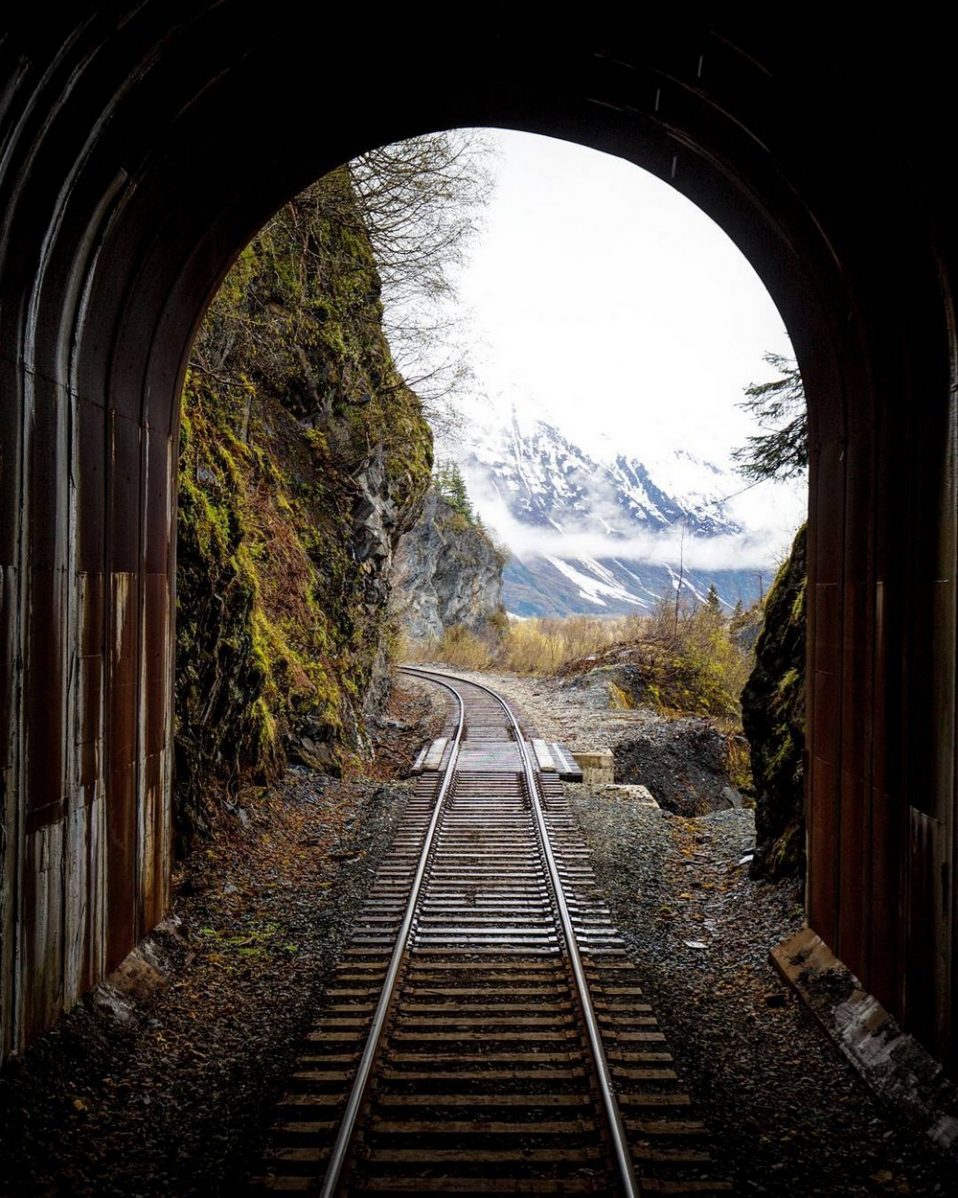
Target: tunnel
143 144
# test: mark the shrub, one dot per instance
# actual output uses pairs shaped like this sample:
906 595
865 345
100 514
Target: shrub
682 663
460 647
698 668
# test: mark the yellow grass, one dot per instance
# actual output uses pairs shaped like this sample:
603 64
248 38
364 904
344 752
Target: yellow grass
537 646
687 660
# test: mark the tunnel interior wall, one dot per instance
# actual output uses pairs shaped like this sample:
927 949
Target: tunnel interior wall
141 146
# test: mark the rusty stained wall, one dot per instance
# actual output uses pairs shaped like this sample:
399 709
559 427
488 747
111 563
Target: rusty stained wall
91 844
882 652
86 517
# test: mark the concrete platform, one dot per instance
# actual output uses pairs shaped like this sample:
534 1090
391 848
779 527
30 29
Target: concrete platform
597 765
890 1062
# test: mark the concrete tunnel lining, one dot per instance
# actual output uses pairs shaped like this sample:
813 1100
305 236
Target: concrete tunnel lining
143 145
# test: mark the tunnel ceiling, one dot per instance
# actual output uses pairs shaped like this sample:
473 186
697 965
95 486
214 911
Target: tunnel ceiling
183 136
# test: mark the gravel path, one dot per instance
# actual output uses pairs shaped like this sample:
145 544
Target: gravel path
579 716
171 1093
682 762
789 1116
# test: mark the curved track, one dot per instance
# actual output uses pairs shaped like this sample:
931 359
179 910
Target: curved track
484 1031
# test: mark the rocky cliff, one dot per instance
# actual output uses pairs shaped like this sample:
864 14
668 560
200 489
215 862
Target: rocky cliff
303 458
773 715
447 573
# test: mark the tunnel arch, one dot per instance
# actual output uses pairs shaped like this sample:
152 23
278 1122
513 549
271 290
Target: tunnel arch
142 147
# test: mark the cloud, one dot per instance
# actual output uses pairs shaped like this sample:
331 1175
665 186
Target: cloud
758 549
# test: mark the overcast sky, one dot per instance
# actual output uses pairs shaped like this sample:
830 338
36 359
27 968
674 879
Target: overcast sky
606 300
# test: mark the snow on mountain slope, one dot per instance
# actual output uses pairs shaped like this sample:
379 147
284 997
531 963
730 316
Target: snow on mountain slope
607 533
596 587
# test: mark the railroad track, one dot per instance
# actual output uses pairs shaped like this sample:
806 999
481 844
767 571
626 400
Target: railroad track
485 1031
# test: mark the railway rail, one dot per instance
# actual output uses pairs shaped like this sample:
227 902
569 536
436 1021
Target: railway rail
485 1031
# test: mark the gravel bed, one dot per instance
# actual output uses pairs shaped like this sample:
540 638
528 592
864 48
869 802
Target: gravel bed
171 1093
787 1113
681 761
578 716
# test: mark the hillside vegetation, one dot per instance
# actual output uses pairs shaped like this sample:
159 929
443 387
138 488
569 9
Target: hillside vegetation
303 457
687 663
774 718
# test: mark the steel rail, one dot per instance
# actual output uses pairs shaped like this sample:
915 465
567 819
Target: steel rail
603 1073
341 1148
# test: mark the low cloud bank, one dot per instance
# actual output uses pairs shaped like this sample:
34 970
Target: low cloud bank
750 550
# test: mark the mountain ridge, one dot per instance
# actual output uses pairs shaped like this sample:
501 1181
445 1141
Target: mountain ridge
605 536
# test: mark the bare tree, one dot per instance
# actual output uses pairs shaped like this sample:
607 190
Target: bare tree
421 201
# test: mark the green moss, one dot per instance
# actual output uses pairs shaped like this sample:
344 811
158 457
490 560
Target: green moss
292 393
773 714
798 603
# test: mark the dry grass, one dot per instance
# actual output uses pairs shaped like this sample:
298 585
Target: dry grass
537 646
682 662
458 646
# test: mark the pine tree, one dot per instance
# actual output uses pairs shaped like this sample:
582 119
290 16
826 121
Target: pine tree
781 451
452 487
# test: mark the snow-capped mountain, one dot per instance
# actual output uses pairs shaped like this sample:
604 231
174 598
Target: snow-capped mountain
603 534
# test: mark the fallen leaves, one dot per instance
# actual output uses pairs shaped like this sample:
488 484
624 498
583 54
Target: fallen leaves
174 1101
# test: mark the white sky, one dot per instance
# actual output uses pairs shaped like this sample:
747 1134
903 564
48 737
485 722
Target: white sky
609 302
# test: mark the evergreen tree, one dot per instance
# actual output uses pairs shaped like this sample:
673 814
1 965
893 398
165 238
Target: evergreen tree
781 450
451 487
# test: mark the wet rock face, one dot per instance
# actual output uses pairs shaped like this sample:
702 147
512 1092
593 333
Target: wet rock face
773 715
446 573
375 518
303 458
683 763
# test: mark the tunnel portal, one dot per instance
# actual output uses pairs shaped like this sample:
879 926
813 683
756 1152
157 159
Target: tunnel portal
141 147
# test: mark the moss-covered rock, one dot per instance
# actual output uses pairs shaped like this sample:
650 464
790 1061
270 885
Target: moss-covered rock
303 458
773 715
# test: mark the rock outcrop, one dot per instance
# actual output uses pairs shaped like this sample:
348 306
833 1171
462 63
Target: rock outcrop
684 763
447 573
773 716
303 458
